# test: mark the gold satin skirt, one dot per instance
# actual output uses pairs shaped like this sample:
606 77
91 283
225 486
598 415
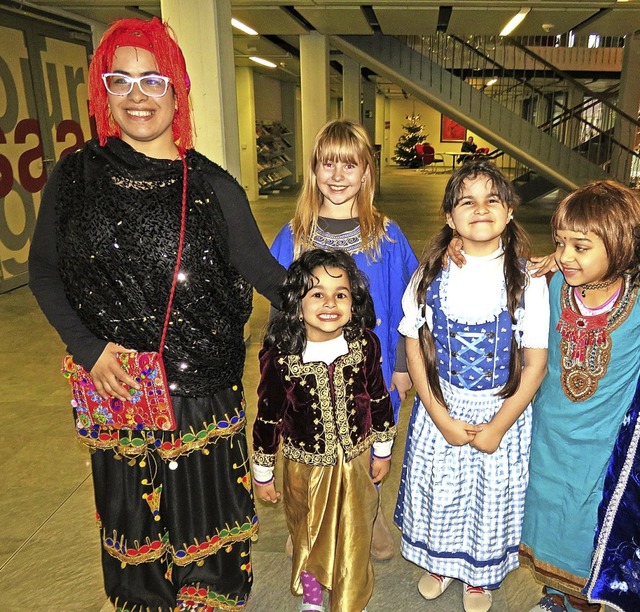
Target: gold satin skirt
330 513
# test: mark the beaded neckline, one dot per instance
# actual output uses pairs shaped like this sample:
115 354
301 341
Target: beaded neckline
585 344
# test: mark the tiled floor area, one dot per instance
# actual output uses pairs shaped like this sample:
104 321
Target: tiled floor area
49 548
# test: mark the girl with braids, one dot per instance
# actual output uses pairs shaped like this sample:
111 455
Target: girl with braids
476 342
585 463
175 509
322 393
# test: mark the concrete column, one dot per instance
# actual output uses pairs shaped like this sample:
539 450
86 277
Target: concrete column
628 100
300 161
335 108
369 108
203 28
351 89
247 131
380 125
384 112
289 111
314 86
369 122
574 98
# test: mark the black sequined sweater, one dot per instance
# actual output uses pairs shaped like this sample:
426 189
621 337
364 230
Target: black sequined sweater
104 251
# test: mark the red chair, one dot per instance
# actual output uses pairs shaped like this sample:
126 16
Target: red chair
429 157
481 152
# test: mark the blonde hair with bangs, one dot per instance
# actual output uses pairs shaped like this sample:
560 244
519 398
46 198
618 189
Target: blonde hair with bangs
612 212
342 141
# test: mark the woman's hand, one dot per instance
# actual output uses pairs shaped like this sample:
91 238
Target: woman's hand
459 433
379 468
542 265
488 440
109 377
267 492
454 253
401 381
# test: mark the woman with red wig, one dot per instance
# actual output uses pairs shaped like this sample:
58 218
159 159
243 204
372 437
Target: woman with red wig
175 509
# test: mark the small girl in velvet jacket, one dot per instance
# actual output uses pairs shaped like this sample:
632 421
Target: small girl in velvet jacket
323 394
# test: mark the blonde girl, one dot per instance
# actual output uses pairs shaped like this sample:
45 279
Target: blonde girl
336 210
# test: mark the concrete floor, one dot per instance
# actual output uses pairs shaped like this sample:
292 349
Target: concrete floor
49 545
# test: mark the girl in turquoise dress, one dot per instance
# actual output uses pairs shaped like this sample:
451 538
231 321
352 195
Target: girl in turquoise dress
594 351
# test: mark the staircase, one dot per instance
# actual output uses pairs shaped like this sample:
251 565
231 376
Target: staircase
597 149
450 74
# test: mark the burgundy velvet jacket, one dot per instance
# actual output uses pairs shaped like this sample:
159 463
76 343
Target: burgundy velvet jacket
314 407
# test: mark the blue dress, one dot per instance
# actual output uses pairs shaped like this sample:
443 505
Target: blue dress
572 443
459 509
388 277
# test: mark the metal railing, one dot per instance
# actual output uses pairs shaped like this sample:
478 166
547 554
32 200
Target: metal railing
528 85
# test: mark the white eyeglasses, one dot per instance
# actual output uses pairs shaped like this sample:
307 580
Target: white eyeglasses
153 85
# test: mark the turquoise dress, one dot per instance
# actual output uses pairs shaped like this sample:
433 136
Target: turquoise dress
388 277
571 446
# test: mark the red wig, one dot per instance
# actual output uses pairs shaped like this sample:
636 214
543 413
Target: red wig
160 40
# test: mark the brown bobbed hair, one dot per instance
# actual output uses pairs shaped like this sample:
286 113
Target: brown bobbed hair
343 141
160 40
612 212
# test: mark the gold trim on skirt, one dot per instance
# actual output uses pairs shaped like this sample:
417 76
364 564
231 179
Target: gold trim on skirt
330 513
550 575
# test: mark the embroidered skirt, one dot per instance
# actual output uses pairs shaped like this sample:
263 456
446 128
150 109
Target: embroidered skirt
176 510
330 513
460 510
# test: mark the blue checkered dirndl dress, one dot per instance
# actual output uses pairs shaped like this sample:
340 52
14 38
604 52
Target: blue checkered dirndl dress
460 510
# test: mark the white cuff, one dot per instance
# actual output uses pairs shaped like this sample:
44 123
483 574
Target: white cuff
382 450
262 474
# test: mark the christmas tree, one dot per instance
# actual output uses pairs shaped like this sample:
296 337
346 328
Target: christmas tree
405 154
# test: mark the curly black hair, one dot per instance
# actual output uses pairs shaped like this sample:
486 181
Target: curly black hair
286 331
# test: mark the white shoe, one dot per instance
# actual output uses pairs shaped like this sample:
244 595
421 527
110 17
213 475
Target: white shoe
476 599
431 585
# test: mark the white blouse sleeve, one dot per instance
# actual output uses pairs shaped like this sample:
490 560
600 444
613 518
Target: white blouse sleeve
413 318
535 325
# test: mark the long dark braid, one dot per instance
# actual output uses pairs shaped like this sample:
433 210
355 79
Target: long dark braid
430 268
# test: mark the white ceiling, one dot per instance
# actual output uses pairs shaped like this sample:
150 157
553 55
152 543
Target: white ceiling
407 16
334 17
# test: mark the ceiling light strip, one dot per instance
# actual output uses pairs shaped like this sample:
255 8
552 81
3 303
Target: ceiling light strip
515 21
262 62
243 28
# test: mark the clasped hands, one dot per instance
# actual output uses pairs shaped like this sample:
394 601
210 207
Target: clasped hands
484 437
